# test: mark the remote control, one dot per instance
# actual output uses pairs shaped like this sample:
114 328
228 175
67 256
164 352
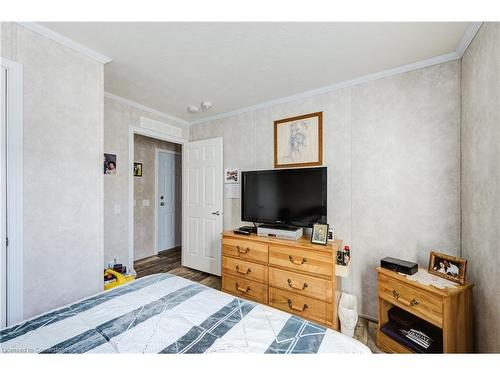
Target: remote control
241 232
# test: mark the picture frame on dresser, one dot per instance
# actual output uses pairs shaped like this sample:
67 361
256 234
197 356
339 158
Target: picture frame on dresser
319 235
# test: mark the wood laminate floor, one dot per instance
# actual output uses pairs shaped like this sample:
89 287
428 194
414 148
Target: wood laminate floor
170 261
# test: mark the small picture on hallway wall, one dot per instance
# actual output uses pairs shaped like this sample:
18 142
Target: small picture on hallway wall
110 164
138 169
298 141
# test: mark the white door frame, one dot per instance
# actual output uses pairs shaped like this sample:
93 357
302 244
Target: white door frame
14 190
148 133
158 150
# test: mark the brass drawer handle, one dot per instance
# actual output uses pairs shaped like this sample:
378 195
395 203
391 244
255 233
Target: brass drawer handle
395 293
414 302
240 271
298 263
242 290
290 284
290 304
241 250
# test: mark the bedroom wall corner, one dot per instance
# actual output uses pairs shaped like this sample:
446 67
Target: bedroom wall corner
481 181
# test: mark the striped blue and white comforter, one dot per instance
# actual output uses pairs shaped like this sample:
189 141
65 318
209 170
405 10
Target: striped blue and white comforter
164 313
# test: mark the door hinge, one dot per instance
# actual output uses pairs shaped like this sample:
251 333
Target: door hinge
7 241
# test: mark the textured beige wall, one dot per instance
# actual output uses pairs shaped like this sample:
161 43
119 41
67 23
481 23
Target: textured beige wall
116 210
118 119
63 189
392 151
481 181
144 189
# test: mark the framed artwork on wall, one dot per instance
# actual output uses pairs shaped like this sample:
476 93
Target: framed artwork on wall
298 141
138 169
231 176
110 164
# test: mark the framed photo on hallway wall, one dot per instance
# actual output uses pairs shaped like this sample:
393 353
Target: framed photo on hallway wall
138 169
110 164
298 141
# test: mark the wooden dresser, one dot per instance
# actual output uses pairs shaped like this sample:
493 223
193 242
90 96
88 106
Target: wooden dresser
295 276
449 309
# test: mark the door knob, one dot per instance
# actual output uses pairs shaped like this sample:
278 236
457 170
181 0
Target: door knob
216 213
162 204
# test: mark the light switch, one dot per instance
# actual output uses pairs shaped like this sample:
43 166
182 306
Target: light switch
145 203
118 209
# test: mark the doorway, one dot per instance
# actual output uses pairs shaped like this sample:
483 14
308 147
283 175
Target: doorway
199 256
11 191
168 194
157 204
3 200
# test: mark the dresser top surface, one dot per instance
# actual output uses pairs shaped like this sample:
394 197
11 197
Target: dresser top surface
443 292
303 242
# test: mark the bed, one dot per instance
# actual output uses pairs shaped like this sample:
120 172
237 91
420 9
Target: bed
164 313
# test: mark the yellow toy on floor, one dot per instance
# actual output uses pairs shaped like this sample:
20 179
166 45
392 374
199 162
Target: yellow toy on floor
119 279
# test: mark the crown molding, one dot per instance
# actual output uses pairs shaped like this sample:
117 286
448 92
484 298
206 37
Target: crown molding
144 108
337 86
56 37
464 42
469 34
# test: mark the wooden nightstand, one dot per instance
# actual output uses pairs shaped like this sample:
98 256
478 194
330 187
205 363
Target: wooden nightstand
449 309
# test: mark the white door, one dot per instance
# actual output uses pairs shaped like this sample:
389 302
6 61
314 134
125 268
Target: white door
202 176
11 192
3 199
165 200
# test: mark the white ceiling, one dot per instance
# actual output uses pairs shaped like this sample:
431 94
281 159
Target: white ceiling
168 66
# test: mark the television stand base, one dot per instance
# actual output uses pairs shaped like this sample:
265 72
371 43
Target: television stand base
280 231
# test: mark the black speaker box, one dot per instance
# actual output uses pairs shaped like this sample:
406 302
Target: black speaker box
398 265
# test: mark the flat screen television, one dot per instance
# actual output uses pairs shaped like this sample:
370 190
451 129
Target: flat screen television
285 197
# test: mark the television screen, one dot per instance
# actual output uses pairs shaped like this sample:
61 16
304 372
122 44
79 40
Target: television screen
294 197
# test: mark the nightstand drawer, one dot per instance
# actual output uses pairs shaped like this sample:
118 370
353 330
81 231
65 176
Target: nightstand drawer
245 288
242 268
424 305
292 303
248 250
301 260
301 284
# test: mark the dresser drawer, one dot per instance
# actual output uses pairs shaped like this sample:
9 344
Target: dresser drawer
301 260
308 308
244 288
424 305
243 268
245 249
298 283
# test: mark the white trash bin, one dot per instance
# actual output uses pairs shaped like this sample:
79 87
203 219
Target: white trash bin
348 314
